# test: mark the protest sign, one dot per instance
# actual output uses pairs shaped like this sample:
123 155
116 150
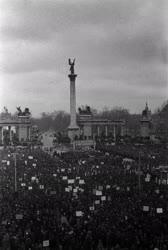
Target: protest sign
98 193
64 177
71 181
146 208
41 186
159 210
91 208
97 202
103 198
30 157
70 188
30 188
81 182
19 216
46 243
79 213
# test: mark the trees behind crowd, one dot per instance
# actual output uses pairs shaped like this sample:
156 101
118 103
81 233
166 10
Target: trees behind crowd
59 120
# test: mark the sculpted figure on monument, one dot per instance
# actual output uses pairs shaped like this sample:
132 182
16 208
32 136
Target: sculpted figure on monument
6 110
72 63
19 111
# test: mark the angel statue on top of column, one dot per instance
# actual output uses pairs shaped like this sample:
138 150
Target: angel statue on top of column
72 63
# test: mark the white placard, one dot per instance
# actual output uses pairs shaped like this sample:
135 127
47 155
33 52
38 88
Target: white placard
97 202
25 162
19 216
41 186
71 181
62 169
79 213
30 157
78 178
23 184
117 188
33 178
67 189
147 179
75 190
103 198
108 186
81 182
46 243
159 210
55 175
8 163
98 193
91 208
146 208
64 178
128 189
34 164
30 188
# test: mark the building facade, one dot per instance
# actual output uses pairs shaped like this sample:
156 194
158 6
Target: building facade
15 128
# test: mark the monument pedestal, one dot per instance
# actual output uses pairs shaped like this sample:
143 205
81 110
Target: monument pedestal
73 132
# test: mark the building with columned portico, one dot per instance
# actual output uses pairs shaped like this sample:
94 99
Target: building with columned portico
15 128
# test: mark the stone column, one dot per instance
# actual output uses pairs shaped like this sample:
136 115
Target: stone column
28 132
1 134
122 130
73 129
10 137
106 130
114 132
98 131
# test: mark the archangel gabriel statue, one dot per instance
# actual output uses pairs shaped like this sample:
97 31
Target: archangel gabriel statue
72 63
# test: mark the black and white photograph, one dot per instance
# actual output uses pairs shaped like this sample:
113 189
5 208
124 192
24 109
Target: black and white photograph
83 125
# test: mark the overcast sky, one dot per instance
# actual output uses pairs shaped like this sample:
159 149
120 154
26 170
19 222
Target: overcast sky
120 48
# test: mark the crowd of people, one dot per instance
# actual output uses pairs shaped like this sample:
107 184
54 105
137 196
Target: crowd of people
93 200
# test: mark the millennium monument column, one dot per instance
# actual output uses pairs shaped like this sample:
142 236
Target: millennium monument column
73 129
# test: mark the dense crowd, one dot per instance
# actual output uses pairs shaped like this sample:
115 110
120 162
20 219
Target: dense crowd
82 201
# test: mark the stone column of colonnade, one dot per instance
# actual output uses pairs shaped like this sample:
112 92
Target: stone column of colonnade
114 132
1 134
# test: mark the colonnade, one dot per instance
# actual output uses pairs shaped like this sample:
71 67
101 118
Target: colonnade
22 132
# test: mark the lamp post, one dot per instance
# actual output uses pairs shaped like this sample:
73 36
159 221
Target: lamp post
139 172
15 169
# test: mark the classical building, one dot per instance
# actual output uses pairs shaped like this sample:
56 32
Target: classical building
15 128
92 127
146 123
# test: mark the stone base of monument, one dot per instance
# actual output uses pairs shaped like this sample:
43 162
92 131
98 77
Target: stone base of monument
73 132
